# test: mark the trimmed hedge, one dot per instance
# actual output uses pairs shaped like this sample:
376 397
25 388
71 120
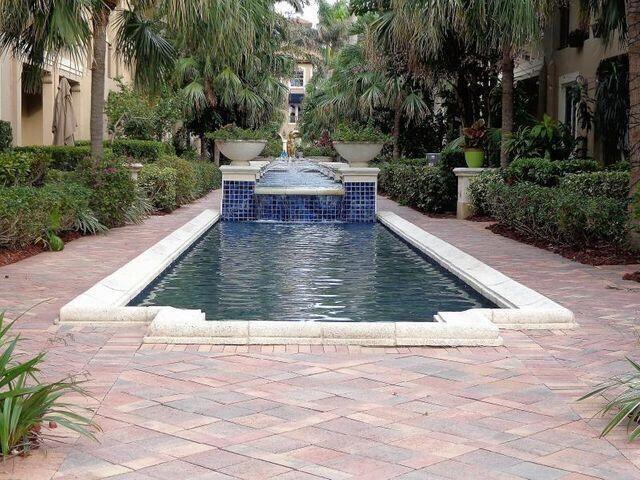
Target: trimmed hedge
186 180
598 184
113 192
159 184
145 151
545 172
559 216
6 136
27 213
62 157
22 168
208 175
479 191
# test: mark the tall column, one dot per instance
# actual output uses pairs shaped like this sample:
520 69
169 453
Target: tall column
48 102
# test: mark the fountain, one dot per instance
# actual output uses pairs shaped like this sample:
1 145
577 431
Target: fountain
299 190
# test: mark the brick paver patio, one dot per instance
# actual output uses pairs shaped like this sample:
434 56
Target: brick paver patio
308 412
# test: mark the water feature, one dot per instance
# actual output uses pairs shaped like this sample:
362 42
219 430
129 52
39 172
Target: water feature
309 271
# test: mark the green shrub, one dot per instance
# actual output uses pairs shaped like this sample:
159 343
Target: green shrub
145 151
355 133
159 184
232 132
558 216
619 166
208 175
540 171
186 181
316 151
21 168
27 214
577 165
113 192
62 157
598 184
480 190
273 148
6 136
429 189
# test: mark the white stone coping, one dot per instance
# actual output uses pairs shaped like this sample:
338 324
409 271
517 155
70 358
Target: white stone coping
299 191
521 307
169 326
107 299
241 173
105 303
470 172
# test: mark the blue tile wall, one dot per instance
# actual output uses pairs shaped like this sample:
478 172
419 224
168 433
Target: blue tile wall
238 201
359 203
299 208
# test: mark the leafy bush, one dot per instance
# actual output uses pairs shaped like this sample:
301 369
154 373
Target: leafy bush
429 189
354 133
545 172
6 136
113 192
144 151
273 148
317 151
546 139
159 184
559 216
232 132
208 175
480 190
29 406
598 184
22 168
28 214
62 157
186 181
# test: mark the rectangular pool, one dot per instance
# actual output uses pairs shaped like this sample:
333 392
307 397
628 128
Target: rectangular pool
303 271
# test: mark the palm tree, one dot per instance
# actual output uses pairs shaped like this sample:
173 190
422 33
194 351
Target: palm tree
427 27
363 81
333 26
38 32
621 19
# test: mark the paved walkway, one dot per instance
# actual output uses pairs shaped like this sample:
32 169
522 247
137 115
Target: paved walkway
308 412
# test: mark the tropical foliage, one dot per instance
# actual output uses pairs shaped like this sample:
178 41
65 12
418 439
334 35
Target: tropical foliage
29 407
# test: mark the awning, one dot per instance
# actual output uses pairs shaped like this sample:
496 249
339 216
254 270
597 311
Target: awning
296 97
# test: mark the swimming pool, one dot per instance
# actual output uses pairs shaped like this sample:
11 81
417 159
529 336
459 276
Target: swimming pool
299 271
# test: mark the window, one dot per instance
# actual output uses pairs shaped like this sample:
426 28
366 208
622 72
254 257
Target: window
298 79
565 25
294 111
571 100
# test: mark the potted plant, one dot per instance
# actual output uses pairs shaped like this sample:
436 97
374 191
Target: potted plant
358 145
577 37
238 144
474 140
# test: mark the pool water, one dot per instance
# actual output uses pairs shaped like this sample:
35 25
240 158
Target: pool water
299 173
303 271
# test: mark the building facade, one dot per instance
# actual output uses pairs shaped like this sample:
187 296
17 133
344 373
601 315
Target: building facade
293 110
31 114
572 55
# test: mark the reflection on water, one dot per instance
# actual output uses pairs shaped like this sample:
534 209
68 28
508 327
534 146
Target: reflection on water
330 272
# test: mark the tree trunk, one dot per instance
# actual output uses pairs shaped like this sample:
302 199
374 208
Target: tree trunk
465 104
541 108
98 69
397 125
507 103
633 23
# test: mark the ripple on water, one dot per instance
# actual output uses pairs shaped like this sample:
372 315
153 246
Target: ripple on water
294 271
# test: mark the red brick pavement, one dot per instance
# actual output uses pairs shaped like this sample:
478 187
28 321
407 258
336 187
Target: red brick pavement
309 412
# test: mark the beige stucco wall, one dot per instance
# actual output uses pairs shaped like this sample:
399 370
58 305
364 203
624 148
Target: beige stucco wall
31 115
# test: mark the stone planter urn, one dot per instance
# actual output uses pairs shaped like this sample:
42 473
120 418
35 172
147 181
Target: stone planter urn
358 154
240 152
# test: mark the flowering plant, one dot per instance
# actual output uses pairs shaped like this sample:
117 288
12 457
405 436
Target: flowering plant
475 135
